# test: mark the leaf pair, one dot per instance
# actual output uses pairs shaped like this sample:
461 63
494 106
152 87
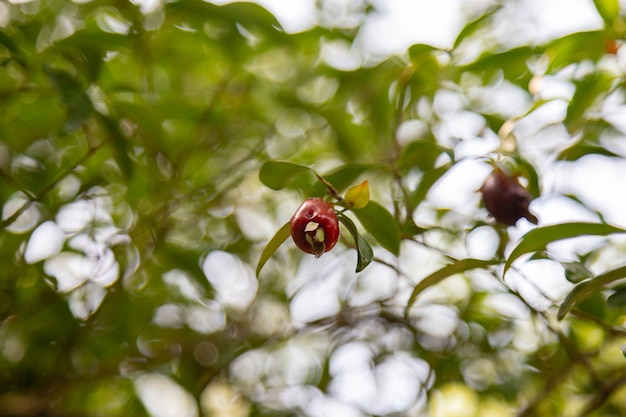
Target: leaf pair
536 240
539 238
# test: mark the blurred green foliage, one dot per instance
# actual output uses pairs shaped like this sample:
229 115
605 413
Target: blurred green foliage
149 153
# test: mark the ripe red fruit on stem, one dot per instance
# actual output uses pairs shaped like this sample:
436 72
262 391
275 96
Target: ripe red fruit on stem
314 226
505 198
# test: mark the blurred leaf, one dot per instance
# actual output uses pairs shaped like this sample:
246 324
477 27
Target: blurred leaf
582 148
618 298
381 225
443 273
539 238
419 52
246 13
576 272
429 178
574 48
73 95
513 64
472 27
93 45
278 239
92 38
588 90
352 139
8 42
278 174
358 196
119 143
594 305
365 254
421 154
149 122
608 9
411 229
425 72
587 288
527 170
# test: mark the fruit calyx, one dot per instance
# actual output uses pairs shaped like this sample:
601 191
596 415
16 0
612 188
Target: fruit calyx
314 235
314 227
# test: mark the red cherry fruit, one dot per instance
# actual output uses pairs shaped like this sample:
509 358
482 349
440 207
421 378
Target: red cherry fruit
314 226
505 199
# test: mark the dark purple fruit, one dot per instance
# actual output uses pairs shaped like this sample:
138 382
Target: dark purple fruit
505 198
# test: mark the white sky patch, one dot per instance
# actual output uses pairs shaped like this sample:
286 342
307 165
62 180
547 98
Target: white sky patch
599 182
555 18
398 24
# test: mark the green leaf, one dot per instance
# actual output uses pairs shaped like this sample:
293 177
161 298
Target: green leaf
93 46
528 171
419 52
474 26
428 180
278 174
352 139
248 14
587 288
278 239
582 148
443 273
608 9
576 272
365 254
119 144
539 238
513 64
588 90
576 47
8 42
381 225
72 94
618 298
148 120
424 74
421 154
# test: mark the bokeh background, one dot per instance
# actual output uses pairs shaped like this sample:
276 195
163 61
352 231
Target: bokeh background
139 189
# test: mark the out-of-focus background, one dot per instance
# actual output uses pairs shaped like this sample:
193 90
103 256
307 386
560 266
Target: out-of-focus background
150 150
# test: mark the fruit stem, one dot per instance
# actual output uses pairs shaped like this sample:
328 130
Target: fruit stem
331 188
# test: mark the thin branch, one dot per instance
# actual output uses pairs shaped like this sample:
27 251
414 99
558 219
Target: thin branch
331 188
603 393
607 327
559 377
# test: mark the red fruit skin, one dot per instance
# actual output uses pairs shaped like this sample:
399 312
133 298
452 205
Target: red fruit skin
315 210
505 199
